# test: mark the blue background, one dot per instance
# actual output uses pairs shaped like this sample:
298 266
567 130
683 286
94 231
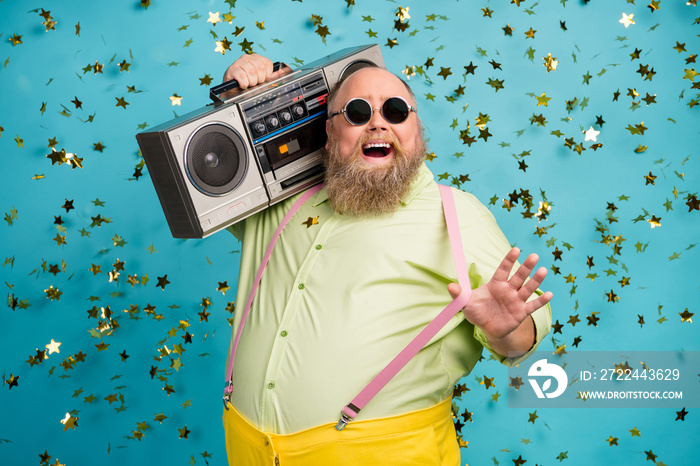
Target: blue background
49 90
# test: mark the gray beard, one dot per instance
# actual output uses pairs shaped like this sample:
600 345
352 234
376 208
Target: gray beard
358 189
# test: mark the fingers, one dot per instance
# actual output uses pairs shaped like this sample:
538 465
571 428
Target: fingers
534 283
521 275
521 279
538 302
455 289
249 70
503 271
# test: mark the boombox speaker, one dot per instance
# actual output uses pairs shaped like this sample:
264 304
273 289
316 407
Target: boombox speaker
232 158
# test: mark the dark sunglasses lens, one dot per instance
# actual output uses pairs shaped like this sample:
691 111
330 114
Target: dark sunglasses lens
395 110
358 111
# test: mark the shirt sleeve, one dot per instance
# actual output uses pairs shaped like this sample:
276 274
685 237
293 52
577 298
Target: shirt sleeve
237 230
485 246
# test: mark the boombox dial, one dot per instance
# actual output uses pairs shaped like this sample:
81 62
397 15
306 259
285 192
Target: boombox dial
272 122
286 116
259 128
298 110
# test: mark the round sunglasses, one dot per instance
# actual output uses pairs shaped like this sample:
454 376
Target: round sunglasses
358 111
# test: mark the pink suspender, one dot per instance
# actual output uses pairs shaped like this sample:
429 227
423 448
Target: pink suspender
380 380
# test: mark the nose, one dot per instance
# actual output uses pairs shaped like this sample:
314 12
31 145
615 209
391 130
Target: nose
377 123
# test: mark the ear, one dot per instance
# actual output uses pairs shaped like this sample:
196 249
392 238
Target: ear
328 132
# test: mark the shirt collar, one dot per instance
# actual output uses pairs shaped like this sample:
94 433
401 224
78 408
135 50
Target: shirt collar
423 178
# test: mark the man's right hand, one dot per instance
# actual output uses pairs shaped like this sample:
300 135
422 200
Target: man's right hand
252 69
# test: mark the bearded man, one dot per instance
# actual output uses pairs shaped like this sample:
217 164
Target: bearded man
359 268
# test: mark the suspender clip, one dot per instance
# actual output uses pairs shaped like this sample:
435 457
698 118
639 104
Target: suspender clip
227 393
344 419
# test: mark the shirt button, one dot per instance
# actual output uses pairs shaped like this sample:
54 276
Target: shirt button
271 385
284 333
318 247
301 286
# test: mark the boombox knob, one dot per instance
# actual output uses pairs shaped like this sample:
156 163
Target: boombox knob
259 127
273 122
286 116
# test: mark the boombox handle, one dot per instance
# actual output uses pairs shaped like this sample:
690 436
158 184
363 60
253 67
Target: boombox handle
228 85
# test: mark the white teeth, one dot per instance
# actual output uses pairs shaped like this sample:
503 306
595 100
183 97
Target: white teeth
378 144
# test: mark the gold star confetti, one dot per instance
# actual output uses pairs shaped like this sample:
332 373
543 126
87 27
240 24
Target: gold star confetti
221 46
686 316
402 14
53 347
550 63
69 422
163 281
409 71
214 18
205 81
223 287
310 222
53 293
175 99
591 134
444 72
690 74
626 20
13 381
246 46
487 382
543 100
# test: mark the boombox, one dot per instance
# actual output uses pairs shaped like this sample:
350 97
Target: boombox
232 158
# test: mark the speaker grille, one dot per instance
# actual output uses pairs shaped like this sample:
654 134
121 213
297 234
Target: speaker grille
216 159
354 66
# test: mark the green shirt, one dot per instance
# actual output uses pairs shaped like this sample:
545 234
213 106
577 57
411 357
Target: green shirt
341 296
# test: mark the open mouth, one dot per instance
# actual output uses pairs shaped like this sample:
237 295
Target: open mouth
377 149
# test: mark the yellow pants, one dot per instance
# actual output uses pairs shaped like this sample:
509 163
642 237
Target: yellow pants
424 437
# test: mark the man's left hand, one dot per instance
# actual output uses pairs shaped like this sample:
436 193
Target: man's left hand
500 306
